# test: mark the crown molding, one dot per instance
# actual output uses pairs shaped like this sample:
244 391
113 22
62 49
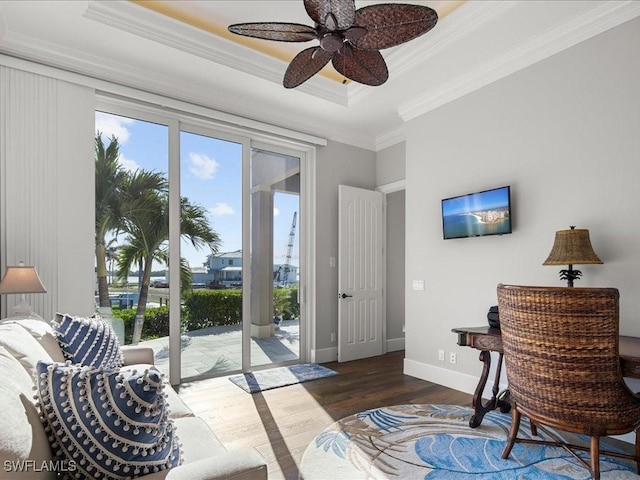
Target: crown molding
132 18
392 187
595 21
459 24
391 137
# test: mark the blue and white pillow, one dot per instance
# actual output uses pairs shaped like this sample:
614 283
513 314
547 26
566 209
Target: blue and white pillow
111 424
88 341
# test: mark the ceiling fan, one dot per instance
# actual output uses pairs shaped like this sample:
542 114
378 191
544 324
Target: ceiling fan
350 38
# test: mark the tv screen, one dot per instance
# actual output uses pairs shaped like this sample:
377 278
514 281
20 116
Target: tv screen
477 214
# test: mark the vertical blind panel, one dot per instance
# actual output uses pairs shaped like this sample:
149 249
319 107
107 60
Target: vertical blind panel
29 195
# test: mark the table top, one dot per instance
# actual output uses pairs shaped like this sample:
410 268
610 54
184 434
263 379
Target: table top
629 346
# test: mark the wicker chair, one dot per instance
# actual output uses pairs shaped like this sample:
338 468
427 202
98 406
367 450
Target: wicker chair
561 356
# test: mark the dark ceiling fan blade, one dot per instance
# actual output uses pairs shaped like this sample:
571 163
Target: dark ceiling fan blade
281 32
390 24
342 10
305 65
362 66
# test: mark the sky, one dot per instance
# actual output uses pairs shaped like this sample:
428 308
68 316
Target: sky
495 198
210 176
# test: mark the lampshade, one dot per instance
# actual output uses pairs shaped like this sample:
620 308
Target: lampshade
21 279
572 247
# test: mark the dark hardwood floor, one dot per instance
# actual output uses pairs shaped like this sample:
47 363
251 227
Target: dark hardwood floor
281 422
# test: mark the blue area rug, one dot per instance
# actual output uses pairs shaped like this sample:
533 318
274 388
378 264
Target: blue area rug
280 377
435 442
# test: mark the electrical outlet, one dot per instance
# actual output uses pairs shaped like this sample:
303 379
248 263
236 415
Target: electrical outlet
333 337
452 357
441 355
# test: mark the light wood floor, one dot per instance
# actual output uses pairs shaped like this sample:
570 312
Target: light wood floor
280 423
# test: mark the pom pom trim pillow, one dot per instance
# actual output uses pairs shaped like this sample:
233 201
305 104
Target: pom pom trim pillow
111 424
88 341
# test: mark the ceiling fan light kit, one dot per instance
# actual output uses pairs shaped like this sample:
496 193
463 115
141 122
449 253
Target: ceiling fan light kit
349 38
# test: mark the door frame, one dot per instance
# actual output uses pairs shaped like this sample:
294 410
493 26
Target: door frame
386 189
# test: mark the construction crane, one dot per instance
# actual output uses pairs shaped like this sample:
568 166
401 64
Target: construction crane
287 260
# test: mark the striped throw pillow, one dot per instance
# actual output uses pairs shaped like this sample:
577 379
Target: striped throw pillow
88 341
107 424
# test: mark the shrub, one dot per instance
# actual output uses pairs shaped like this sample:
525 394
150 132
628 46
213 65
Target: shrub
156 322
285 303
208 308
205 308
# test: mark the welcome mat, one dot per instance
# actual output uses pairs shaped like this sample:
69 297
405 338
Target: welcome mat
280 377
435 442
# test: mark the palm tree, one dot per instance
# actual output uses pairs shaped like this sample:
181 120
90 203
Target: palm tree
111 256
146 224
108 178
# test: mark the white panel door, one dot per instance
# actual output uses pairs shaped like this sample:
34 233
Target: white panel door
360 250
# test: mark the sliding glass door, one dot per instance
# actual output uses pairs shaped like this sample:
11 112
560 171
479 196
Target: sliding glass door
200 256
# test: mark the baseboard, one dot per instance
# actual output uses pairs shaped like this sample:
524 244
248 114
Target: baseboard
449 378
324 355
395 344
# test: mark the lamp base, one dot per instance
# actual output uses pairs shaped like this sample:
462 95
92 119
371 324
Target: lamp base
570 275
24 310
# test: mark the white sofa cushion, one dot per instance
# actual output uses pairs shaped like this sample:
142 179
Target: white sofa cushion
22 346
43 333
23 441
197 439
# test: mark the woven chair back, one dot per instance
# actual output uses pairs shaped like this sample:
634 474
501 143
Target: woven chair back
561 357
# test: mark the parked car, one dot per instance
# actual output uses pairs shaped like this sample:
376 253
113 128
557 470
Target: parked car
159 284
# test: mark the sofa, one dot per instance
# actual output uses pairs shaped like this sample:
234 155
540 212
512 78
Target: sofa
25 451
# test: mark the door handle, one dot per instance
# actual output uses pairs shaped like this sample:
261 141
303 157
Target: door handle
344 295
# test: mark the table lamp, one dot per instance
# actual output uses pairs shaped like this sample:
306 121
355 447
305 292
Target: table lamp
22 279
572 247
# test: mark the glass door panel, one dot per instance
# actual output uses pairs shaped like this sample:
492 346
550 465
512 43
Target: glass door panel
275 215
132 230
211 251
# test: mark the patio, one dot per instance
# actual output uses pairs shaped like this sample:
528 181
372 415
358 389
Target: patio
217 351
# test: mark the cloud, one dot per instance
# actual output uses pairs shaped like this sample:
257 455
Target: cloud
111 125
276 211
128 164
202 166
221 209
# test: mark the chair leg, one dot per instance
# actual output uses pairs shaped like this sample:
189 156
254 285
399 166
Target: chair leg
513 431
638 451
595 457
534 428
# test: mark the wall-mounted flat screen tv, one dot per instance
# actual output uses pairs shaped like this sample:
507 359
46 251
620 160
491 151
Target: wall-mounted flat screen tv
477 214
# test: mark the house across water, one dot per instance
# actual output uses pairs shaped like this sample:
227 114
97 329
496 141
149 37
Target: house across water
224 270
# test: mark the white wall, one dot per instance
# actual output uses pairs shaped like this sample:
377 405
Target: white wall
565 134
390 170
337 164
390 164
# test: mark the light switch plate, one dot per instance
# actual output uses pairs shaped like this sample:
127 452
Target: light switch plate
418 284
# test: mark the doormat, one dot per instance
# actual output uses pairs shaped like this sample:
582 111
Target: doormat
280 377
